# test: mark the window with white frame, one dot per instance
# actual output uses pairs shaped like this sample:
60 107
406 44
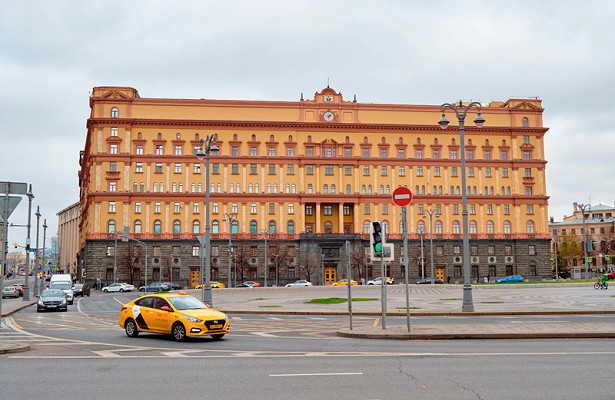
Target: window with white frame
196 208
112 206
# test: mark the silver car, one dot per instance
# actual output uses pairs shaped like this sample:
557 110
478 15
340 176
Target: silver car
299 283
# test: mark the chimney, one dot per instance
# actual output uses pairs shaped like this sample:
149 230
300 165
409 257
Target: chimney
576 206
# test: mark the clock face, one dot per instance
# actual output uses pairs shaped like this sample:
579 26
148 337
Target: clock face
328 98
328 116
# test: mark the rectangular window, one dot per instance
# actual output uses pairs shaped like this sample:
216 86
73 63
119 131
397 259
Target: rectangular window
113 166
139 167
528 172
113 149
453 154
527 155
290 169
271 151
456 250
487 155
401 153
436 154
159 150
419 153
420 209
253 169
197 168
113 186
456 209
529 209
328 210
178 150
176 208
234 169
471 172
309 152
113 131
528 190
531 250
365 153
328 169
436 171
470 155
366 170
271 208
271 169
215 168
157 251
329 152
309 210
346 210
195 251
157 207
252 151
385 208
491 250
291 208
438 209
489 209
504 155
137 207
215 251
252 208
235 151
175 250
196 208
419 171
234 208
214 208
402 170
508 250
347 170
506 209
383 170
383 153
474 250
526 140
348 152
472 209
309 169
453 171
139 150
158 168
488 172
366 209
504 172
178 168
439 250
110 250
112 206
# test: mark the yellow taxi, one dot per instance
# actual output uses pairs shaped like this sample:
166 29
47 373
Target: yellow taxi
177 314
213 284
344 282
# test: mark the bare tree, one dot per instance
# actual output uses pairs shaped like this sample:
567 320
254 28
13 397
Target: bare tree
358 260
283 255
129 261
308 265
241 255
569 250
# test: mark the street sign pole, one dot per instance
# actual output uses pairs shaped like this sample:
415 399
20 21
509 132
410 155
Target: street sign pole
404 219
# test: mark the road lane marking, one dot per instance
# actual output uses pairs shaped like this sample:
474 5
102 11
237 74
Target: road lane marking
317 374
376 322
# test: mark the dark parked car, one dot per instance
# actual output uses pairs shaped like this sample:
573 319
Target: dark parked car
174 286
427 281
52 299
155 287
81 289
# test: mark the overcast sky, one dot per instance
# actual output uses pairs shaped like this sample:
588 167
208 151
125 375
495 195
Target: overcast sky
409 52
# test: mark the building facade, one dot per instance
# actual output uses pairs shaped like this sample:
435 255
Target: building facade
68 238
307 177
568 236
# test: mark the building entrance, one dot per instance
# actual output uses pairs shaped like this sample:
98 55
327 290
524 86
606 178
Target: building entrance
440 273
195 277
330 275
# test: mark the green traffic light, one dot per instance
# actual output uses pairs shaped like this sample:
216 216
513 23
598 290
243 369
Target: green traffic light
378 247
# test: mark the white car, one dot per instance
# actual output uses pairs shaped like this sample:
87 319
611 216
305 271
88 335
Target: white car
299 283
118 287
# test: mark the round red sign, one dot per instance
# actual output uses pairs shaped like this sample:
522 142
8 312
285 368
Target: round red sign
402 196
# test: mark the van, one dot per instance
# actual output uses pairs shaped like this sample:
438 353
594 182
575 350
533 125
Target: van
63 282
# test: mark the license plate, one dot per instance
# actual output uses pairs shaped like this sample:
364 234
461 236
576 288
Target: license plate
216 326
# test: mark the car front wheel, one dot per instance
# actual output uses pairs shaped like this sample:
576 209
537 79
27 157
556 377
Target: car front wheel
105 291
218 337
121 290
178 331
131 328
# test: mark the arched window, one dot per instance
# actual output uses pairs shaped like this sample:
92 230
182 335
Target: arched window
325 188
196 227
363 189
420 227
269 188
473 227
456 229
416 189
155 187
438 229
507 227
174 187
440 189
157 226
333 188
293 188
199 188
181 187
161 187
176 227
503 191
115 113
235 226
491 190
253 227
253 137
422 189
381 189
328 227
507 190
309 190
275 188
486 191
348 189
452 189
271 227
457 190
193 187
530 226
249 188
215 227
434 190
287 188
525 122
137 226
369 189
111 226
271 138
290 138
291 227
490 229
366 227
387 189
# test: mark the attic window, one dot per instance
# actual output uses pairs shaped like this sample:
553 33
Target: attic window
179 136
159 135
235 136
525 122
196 136
253 137
115 113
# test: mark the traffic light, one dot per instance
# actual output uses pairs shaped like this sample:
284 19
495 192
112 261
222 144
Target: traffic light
15 244
377 239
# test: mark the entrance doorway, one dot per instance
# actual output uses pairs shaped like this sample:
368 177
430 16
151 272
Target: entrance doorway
440 273
195 277
330 275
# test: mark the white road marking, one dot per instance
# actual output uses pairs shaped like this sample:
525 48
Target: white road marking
318 374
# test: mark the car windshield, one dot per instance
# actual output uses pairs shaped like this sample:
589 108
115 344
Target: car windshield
52 293
60 285
186 303
79 286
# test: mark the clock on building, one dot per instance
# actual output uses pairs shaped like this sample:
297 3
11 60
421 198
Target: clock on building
328 116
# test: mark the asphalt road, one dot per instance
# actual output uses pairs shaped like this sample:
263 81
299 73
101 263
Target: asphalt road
84 354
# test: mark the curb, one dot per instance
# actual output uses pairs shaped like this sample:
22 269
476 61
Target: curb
443 336
421 314
14 348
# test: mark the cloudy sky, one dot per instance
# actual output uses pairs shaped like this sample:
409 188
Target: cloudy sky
410 52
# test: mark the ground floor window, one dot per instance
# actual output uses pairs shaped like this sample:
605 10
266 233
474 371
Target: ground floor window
457 271
492 270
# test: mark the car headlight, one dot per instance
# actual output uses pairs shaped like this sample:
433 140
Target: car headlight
40 302
64 301
192 319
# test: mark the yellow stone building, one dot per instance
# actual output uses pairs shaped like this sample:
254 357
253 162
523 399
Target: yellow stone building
310 175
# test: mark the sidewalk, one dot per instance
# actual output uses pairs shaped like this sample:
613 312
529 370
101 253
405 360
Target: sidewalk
9 308
425 300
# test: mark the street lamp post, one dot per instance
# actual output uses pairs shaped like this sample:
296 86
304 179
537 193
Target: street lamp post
277 274
36 257
583 207
232 217
555 256
26 289
468 304
207 142
43 259
145 247
431 212
264 231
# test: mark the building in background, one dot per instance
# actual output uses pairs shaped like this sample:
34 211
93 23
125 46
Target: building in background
68 239
600 225
311 175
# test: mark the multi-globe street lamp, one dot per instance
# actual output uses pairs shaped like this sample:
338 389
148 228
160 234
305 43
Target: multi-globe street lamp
431 212
421 232
209 143
265 233
461 111
36 256
231 218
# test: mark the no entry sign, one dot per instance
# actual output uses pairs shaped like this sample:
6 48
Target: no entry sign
402 196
